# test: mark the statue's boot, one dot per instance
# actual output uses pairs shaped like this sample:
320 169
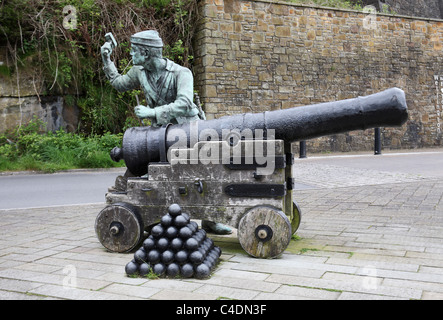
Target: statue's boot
215 227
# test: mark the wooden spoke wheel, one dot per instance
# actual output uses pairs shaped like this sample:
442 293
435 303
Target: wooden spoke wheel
119 227
296 217
264 232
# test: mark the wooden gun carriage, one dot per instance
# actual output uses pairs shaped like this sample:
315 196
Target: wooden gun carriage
236 170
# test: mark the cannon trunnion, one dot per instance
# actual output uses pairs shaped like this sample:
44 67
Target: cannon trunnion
236 170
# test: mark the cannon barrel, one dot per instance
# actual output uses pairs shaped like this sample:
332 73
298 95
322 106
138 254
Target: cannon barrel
142 145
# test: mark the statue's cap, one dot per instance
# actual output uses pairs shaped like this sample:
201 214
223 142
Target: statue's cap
148 38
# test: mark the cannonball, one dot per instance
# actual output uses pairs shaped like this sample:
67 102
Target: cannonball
196 257
181 256
213 258
166 220
217 250
159 269
172 270
202 250
140 256
162 244
149 243
181 221
153 256
167 257
209 243
198 236
213 261
191 244
213 254
203 233
171 232
174 210
187 270
157 231
144 269
202 271
185 232
209 263
193 226
176 244
131 268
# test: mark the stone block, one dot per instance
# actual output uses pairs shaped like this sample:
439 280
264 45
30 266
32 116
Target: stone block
210 91
311 34
283 31
231 66
256 60
265 76
227 27
258 37
232 6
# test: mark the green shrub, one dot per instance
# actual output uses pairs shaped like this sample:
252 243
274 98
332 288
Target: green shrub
27 148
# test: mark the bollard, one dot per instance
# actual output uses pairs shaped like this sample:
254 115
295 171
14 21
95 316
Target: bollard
377 141
302 149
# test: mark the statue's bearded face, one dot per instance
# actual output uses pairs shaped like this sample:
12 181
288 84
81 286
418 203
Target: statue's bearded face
138 56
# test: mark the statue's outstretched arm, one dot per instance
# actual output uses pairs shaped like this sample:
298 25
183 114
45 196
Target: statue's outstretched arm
120 82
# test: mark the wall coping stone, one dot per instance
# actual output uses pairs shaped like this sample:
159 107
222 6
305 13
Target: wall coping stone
313 6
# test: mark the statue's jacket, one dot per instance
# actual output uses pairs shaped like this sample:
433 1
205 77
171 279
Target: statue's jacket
171 95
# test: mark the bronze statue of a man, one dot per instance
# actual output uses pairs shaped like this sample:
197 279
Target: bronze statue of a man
168 89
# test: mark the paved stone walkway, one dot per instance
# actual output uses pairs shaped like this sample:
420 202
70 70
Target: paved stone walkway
360 238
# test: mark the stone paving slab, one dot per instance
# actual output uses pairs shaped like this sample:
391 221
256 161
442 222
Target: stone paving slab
357 240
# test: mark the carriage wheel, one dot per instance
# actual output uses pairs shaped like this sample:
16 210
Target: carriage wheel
264 232
119 227
296 217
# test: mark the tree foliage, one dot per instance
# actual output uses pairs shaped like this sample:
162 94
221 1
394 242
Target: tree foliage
60 40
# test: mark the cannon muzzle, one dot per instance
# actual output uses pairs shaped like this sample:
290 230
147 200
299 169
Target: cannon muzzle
143 145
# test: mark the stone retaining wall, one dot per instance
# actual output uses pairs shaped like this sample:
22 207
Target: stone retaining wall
254 56
20 102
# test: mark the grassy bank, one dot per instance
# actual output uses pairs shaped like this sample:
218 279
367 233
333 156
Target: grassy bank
27 148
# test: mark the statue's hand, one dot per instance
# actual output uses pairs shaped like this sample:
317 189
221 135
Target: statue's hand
144 112
106 50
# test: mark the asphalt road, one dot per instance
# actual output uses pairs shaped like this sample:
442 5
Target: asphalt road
66 188
427 163
83 187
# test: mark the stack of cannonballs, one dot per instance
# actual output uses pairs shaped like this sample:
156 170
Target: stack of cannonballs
175 248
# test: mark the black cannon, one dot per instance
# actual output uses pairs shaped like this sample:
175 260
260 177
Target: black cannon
235 170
